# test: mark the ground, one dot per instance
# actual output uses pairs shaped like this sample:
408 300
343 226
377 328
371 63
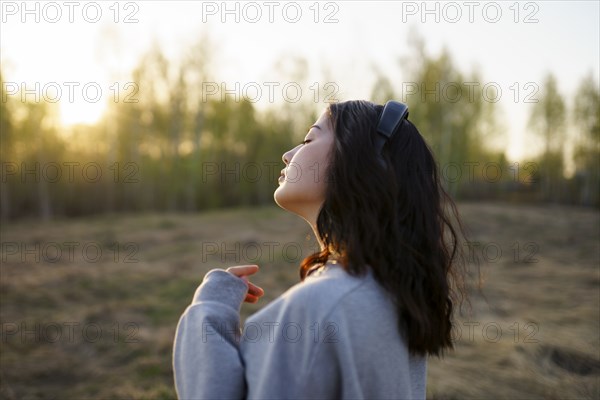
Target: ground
89 306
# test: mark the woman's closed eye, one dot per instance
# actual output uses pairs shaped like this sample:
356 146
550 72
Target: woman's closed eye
306 141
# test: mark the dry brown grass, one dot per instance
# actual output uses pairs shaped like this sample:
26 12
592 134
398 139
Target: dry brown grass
537 336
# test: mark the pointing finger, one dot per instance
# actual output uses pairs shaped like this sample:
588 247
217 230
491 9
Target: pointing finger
242 270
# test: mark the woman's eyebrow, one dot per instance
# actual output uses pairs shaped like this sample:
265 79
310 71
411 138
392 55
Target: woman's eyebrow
315 126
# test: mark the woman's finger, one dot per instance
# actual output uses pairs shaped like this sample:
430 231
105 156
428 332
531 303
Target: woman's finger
251 299
255 290
241 270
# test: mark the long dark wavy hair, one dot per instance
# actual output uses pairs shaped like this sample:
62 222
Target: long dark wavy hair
395 220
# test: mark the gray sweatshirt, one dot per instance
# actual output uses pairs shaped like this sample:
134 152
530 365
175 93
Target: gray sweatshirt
333 336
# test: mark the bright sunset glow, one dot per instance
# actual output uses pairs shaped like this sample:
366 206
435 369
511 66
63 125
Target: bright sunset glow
104 52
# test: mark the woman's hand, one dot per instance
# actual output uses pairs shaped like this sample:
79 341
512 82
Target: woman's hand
243 271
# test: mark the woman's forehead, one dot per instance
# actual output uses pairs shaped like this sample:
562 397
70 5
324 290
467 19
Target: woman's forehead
323 120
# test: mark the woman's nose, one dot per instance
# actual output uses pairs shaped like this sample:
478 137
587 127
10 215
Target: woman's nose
287 156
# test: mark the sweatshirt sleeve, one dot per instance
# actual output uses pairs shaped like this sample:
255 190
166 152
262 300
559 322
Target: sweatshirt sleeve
206 358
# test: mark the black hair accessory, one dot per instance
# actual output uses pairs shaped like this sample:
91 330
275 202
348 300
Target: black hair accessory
394 113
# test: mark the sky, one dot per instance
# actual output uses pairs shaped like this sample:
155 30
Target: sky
514 45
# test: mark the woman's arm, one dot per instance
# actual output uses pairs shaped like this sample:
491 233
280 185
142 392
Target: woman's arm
206 358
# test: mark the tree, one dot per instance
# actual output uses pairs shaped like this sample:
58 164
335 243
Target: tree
6 149
450 111
547 119
586 113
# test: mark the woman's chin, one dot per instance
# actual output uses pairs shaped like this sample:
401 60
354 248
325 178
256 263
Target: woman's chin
279 197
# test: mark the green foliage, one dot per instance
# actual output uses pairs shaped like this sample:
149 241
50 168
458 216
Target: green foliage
548 121
175 148
586 112
453 114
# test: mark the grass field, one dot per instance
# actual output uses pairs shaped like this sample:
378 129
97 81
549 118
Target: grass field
89 306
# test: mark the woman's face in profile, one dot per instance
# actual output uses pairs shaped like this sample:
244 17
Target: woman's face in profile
302 183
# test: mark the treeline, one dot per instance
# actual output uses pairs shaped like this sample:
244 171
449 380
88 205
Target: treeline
166 146
457 114
163 146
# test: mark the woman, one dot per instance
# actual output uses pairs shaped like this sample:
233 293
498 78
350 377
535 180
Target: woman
372 303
